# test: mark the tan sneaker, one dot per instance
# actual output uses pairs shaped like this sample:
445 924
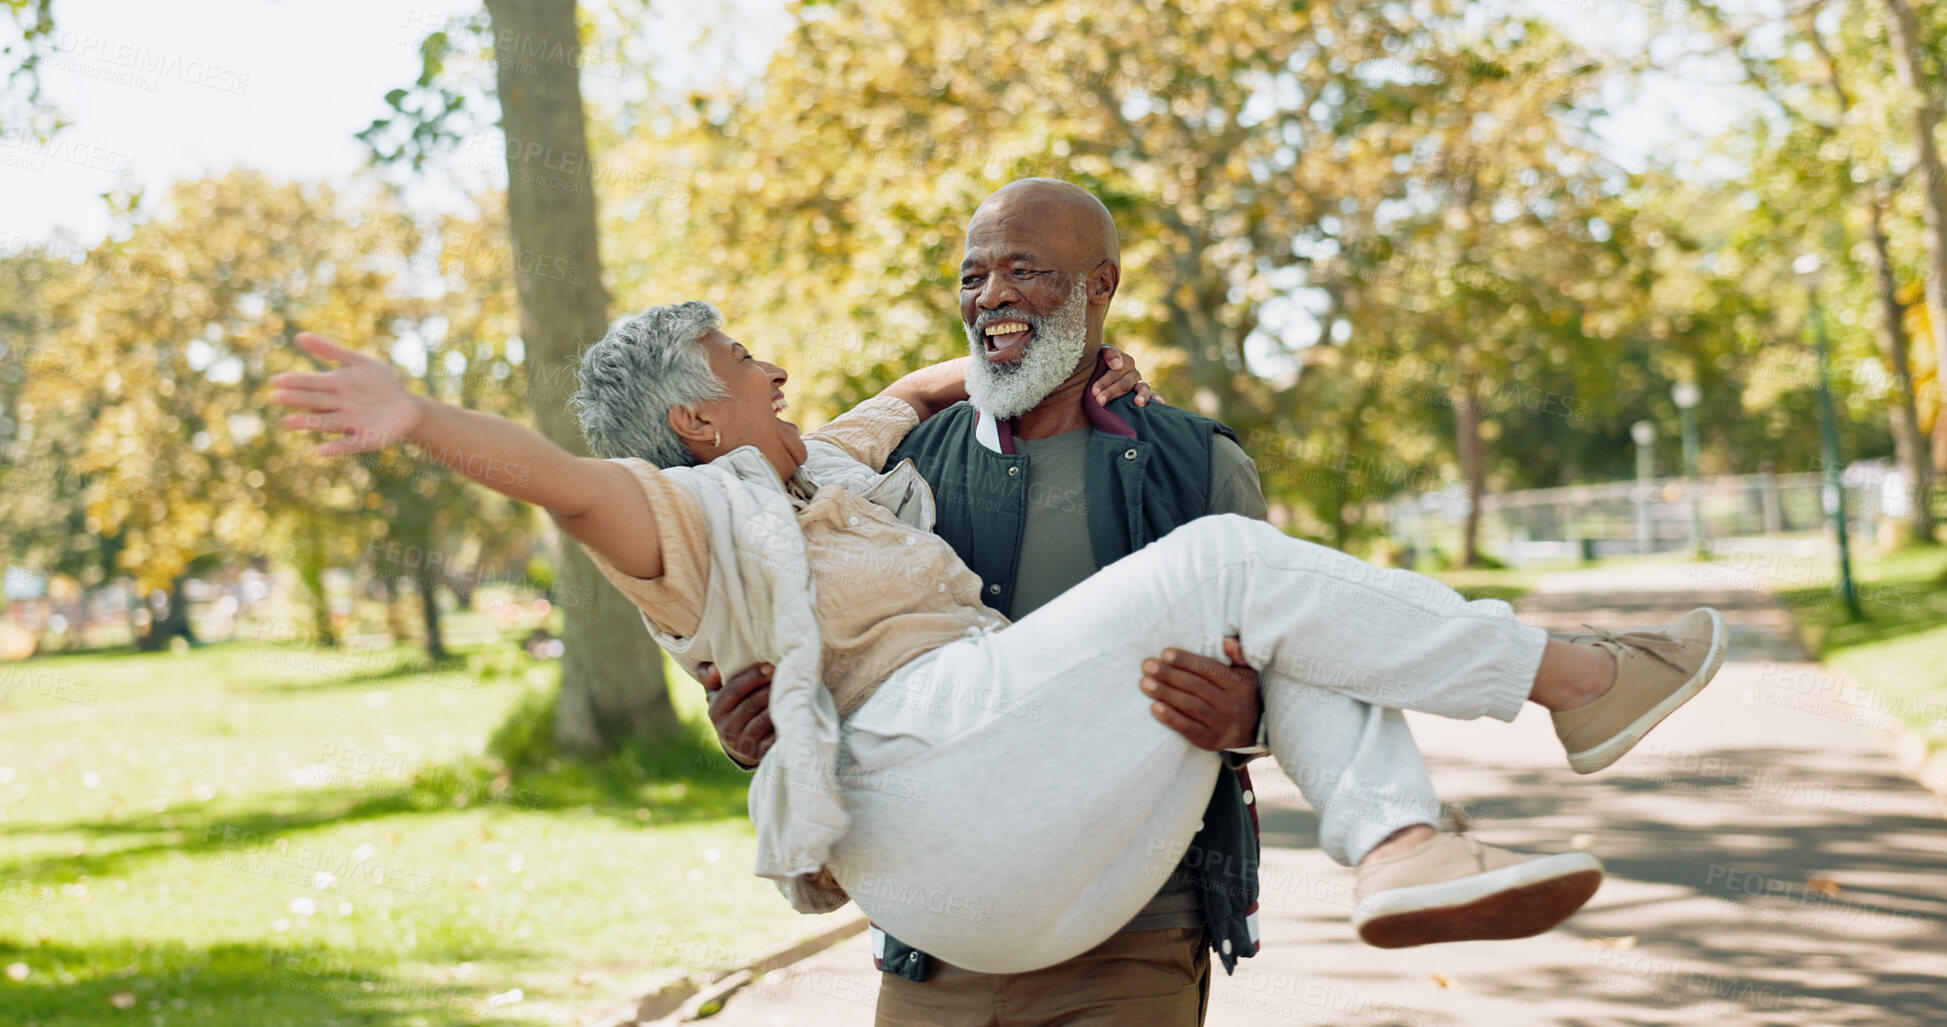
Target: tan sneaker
1656 672
1454 888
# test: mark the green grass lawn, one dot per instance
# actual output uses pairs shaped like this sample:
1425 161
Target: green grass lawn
1506 584
1511 583
250 834
1900 648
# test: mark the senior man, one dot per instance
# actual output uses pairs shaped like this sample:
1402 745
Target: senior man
1038 484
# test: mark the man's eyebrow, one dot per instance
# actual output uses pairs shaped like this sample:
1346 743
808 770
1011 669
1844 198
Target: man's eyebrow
1017 257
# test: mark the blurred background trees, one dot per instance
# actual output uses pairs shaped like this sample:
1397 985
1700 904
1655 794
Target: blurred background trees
1385 241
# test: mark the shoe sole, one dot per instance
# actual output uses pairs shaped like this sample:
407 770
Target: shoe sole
1518 901
1588 761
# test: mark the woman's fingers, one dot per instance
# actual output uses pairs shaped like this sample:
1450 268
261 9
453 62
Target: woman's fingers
353 440
350 440
1115 383
1122 377
324 349
316 400
320 380
312 422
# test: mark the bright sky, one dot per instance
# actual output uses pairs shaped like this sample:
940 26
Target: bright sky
156 93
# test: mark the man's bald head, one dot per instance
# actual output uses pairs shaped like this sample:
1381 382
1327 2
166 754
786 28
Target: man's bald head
1068 211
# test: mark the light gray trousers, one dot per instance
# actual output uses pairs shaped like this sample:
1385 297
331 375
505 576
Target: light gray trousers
1014 802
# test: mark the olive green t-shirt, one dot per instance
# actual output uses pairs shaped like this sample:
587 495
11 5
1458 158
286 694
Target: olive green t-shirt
1055 550
1056 555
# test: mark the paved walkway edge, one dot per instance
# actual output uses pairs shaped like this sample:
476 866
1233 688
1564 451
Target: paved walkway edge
682 1000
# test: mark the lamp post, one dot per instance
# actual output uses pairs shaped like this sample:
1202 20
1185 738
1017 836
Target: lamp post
1644 434
1808 268
1687 395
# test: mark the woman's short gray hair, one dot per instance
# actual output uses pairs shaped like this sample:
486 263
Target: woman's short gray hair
644 367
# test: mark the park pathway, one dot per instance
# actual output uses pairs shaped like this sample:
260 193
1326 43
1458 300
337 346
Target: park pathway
1767 862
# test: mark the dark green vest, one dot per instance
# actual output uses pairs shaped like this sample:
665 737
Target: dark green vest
1147 472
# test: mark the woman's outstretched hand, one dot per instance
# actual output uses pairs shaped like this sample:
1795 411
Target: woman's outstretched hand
362 401
1121 378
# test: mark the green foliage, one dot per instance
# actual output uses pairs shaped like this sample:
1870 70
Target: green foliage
525 739
440 106
1419 182
26 26
136 438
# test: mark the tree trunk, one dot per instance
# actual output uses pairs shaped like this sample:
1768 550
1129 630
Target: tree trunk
461 585
1904 35
173 621
429 606
1473 463
395 618
78 635
1909 446
611 675
178 623
135 607
310 571
1940 429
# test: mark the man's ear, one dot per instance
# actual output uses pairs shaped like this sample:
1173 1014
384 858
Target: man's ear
1102 283
692 426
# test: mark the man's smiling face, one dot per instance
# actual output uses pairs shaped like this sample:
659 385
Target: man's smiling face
1014 276
1039 271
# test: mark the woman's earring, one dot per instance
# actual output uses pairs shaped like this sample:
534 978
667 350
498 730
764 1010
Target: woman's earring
719 442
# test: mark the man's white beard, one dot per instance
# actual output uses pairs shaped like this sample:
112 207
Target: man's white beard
1010 390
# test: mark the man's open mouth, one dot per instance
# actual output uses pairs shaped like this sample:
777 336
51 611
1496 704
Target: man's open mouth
1004 339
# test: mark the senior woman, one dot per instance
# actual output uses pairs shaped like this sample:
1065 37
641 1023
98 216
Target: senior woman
927 763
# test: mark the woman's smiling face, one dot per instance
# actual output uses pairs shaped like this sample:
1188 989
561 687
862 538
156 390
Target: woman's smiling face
750 413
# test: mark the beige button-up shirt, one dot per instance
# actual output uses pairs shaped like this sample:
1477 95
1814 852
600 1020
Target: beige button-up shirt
886 593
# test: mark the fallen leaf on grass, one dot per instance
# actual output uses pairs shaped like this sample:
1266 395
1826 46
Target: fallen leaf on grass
122 999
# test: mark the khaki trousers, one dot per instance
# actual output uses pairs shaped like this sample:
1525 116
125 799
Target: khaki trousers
1151 978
